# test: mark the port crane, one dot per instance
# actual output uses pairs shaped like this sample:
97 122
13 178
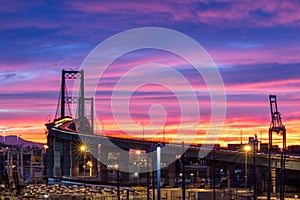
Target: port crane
277 127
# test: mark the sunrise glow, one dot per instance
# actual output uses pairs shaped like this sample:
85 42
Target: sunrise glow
256 50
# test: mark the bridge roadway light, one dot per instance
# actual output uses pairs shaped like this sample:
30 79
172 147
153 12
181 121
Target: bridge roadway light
83 149
247 149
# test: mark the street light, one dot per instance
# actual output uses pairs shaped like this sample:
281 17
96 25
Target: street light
247 148
164 134
139 123
83 149
158 156
138 152
118 181
45 147
3 131
102 126
241 132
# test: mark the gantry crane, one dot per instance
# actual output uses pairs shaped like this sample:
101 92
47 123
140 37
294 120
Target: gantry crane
277 127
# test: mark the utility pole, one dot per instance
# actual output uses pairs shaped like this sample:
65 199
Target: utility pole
241 136
118 184
214 171
255 176
183 171
3 132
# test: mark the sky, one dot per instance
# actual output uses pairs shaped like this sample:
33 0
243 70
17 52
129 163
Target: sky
255 45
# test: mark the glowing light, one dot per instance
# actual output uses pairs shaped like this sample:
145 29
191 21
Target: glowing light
63 120
83 148
247 148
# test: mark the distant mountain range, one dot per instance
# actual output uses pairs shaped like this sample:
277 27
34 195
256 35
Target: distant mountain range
15 140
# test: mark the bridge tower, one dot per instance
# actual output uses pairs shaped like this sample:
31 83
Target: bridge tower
277 127
62 154
83 123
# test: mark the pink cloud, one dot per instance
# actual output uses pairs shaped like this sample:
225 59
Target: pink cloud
130 7
31 79
247 13
233 14
265 54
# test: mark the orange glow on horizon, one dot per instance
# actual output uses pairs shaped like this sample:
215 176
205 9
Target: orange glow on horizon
231 133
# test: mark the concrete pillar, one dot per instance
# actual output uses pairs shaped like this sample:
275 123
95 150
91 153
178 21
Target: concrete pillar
124 164
75 159
209 176
50 156
94 166
103 167
21 164
228 175
31 166
57 161
9 163
93 152
172 174
273 179
66 160
71 159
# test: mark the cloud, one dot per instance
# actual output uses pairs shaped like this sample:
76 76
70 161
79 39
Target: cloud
255 45
8 75
248 14
217 13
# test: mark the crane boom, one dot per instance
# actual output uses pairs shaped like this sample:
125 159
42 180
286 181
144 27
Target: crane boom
277 127
276 124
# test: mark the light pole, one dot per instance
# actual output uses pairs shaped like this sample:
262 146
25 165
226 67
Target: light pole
118 181
158 155
3 131
183 171
214 171
83 149
102 126
138 152
247 148
241 136
254 167
139 123
164 134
